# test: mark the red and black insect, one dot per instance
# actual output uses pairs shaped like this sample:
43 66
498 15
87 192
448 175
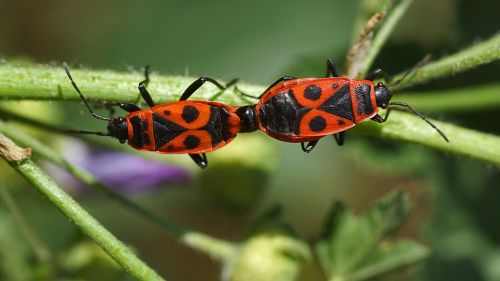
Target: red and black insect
293 110
192 127
306 109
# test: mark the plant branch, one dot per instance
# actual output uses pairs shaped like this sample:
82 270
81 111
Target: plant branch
83 220
476 55
407 127
212 246
386 28
454 100
42 82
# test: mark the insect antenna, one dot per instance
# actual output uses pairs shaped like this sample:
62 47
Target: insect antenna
66 68
403 104
67 131
423 61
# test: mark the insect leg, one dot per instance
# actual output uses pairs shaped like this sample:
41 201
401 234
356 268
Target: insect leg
232 82
200 159
339 138
331 68
309 147
142 87
128 107
228 84
281 79
377 73
379 119
245 94
197 84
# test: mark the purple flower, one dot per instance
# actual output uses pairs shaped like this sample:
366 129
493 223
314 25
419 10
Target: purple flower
125 173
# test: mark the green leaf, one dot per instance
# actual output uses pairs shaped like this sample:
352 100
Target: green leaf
390 256
348 239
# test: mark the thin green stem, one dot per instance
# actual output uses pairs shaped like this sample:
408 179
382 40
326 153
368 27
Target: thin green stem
476 55
212 246
83 220
41 251
383 34
410 128
454 100
41 82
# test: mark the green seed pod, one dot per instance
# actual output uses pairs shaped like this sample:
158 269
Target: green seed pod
272 251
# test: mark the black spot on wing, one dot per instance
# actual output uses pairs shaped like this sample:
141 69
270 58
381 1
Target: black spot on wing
312 92
317 124
340 104
165 130
191 142
190 113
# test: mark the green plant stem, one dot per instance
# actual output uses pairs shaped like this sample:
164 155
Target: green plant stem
366 9
383 34
41 82
410 128
41 251
400 127
83 220
476 55
454 100
212 246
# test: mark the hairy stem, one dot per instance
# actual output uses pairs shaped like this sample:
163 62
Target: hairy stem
407 127
476 55
42 82
49 83
83 220
214 247
454 100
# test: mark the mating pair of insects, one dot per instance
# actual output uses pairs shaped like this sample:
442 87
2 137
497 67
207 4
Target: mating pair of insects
297 110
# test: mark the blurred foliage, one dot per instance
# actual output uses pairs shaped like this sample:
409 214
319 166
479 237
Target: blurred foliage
353 247
455 200
271 250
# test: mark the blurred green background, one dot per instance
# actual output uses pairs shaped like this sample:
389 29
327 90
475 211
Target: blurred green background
455 199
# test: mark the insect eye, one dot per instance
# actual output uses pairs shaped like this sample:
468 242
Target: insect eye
118 120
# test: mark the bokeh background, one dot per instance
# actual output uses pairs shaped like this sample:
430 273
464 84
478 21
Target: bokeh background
456 200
